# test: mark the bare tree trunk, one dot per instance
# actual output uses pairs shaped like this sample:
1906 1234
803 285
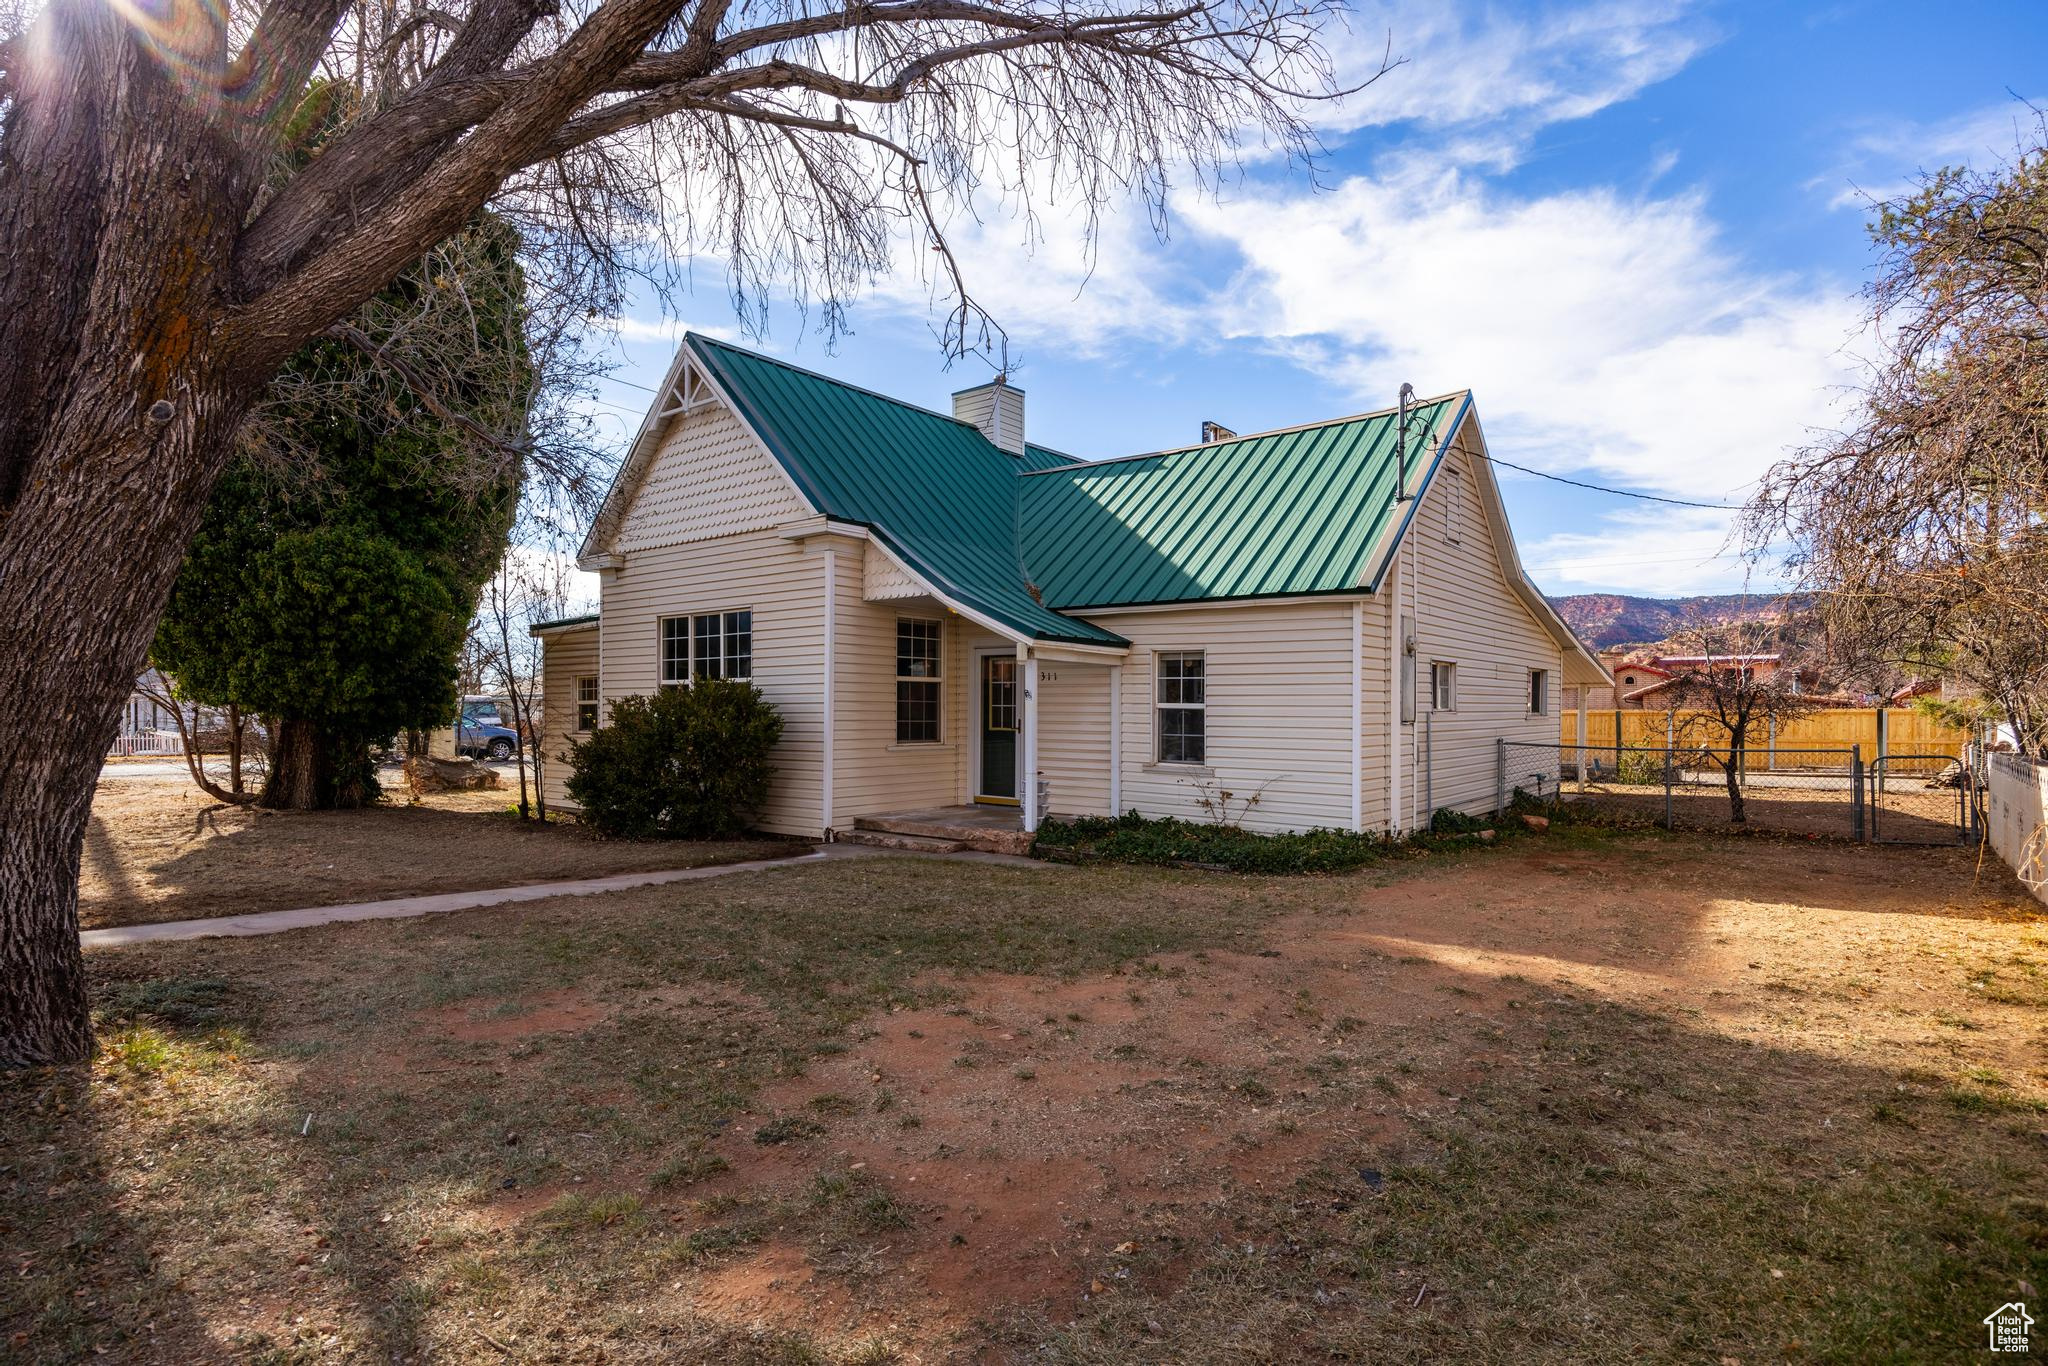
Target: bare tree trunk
312 769
1738 735
116 416
235 749
87 558
301 774
519 729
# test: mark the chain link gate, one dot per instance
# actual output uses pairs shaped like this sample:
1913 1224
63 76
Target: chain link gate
1920 799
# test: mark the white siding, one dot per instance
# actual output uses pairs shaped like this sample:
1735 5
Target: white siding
783 586
884 579
1279 703
873 775
1468 614
1073 737
709 479
698 536
564 658
1378 691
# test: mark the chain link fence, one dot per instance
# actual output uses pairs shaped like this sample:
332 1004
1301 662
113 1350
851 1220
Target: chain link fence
1831 793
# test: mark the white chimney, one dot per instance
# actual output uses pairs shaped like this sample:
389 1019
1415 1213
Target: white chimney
997 408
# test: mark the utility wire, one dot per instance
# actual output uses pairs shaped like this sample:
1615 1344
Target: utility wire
1602 488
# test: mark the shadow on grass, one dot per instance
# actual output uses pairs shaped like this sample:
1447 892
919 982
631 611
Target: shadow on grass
1601 1180
1615 1186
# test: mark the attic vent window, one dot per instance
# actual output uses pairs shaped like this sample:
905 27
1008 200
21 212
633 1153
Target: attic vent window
1216 431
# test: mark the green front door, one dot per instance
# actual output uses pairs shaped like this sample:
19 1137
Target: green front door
997 698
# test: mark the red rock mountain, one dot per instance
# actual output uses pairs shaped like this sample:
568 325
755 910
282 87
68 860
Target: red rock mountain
1604 619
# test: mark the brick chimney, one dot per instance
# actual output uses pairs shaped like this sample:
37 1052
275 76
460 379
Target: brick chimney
997 408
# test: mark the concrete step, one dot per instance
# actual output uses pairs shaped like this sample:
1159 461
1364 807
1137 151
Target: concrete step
889 839
966 836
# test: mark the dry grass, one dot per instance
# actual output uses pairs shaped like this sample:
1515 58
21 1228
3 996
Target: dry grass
159 849
1573 1097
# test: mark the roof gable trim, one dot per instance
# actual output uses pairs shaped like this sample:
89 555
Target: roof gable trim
689 387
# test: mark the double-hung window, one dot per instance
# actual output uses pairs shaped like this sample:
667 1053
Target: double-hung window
707 645
1539 691
1443 686
917 681
586 703
1183 708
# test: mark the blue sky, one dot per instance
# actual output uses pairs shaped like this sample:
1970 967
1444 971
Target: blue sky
1634 230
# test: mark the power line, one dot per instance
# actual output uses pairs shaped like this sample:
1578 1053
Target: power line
1602 488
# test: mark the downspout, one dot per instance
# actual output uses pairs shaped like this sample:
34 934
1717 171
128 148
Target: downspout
1357 716
1027 786
1412 578
1116 746
1394 701
825 691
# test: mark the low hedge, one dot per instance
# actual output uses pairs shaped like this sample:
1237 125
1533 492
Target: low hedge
1132 838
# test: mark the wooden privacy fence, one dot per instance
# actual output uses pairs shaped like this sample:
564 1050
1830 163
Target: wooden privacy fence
1907 731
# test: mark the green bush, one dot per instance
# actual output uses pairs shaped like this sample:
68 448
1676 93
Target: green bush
688 763
1447 821
1132 838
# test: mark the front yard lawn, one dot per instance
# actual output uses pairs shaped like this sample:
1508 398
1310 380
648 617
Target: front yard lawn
159 849
1575 1097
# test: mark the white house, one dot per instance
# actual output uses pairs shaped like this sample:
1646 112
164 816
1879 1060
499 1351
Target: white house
1319 614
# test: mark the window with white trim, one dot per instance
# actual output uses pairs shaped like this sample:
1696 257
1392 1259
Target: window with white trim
586 702
1539 692
707 645
917 681
1443 686
1182 704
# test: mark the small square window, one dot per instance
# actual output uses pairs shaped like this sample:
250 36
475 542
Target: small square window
586 703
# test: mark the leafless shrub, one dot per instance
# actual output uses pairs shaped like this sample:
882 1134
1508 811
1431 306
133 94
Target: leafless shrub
1922 523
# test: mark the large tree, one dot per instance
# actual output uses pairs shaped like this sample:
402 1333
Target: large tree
157 267
1922 522
340 558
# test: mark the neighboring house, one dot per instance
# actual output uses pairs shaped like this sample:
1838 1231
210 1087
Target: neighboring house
1627 674
939 608
149 726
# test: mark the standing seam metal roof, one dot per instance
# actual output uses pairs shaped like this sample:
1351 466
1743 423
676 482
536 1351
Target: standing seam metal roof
933 488
1282 514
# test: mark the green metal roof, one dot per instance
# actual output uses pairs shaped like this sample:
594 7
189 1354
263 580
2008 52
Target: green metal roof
933 488
1277 515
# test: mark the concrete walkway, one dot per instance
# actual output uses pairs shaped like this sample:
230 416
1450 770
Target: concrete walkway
276 922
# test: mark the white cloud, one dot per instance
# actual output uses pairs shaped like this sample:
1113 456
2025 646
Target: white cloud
1605 333
1602 334
1883 157
1472 64
1654 552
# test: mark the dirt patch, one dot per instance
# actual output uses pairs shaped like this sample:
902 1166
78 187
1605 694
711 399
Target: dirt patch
1078 1115
554 1012
159 849
1056 1140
